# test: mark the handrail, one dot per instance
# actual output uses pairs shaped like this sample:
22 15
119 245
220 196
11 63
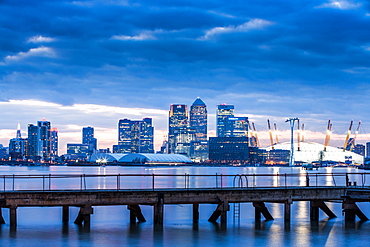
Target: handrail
172 181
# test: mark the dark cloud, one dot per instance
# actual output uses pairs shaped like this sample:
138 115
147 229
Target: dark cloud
153 53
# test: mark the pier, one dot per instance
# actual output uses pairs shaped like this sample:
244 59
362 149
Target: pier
222 191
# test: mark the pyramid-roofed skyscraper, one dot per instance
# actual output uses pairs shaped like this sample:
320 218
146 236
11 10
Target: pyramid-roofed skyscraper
198 119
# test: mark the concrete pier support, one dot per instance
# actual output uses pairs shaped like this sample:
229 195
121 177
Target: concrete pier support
221 210
260 208
351 210
135 214
84 216
65 214
13 215
158 210
195 212
2 221
314 210
287 210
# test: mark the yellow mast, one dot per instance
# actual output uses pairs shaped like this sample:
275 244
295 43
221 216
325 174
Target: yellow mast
270 133
328 133
303 133
299 136
251 133
255 135
276 134
354 138
347 137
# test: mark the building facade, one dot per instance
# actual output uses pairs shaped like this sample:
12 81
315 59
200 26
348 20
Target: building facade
135 136
198 119
41 142
88 138
223 113
229 150
178 119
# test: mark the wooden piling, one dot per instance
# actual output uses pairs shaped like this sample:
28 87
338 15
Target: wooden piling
260 208
136 214
195 212
65 214
13 215
158 210
2 221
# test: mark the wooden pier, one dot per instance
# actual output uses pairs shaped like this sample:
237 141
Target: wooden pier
221 197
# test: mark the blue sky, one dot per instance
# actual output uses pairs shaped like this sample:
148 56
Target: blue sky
79 63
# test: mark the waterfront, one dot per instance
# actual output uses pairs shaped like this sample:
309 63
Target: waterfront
110 225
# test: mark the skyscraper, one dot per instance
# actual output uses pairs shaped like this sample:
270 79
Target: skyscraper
223 113
18 146
135 136
198 119
88 138
54 142
236 127
39 140
178 118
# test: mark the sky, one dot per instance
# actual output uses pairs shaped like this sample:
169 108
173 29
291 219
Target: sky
91 63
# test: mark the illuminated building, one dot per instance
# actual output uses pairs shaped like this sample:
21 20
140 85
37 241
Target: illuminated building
236 127
54 142
223 113
135 136
367 149
88 138
40 140
178 118
78 149
183 136
198 119
18 146
359 149
229 150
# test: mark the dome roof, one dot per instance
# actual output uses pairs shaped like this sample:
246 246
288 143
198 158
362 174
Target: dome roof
140 158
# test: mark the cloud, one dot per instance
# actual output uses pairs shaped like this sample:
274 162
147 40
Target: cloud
341 4
33 52
40 39
245 27
140 37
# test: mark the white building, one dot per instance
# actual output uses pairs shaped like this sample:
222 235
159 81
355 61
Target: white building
310 151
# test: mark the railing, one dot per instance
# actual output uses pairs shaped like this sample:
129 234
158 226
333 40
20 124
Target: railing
184 181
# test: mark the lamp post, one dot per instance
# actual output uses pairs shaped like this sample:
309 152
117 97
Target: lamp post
291 156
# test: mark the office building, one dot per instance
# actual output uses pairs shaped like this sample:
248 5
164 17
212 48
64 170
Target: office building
178 118
198 119
367 150
18 146
236 127
88 138
229 150
223 113
359 149
135 136
54 142
40 141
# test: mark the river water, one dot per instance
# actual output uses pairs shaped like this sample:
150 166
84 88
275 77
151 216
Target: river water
110 224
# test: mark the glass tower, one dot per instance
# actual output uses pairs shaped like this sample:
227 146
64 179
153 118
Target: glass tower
178 118
223 113
88 138
198 119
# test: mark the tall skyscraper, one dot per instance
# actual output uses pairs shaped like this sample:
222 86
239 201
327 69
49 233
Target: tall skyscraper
88 138
18 146
198 119
178 118
40 141
135 136
223 113
236 127
54 142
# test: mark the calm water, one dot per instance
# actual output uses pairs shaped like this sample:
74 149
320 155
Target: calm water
110 225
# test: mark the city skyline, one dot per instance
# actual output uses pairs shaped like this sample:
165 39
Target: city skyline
90 63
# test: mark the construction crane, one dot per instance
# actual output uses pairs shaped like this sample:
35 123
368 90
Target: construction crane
270 133
354 138
328 134
347 137
276 134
